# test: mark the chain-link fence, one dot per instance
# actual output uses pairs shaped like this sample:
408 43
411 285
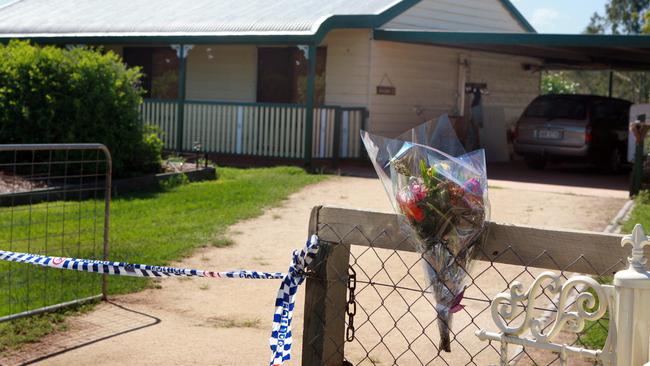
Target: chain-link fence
368 302
54 200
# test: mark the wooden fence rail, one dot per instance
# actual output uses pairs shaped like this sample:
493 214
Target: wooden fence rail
325 303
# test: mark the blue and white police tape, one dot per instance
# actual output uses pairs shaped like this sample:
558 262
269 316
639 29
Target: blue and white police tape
281 338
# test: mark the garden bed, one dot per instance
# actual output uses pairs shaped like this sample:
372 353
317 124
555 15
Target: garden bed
15 191
148 182
16 184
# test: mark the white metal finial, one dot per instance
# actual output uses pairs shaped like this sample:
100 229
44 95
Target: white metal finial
638 240
304 49
182 51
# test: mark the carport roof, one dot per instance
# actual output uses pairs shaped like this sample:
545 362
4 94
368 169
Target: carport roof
559 51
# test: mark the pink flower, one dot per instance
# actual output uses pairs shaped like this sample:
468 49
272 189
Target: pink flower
419 191
456 306
473 186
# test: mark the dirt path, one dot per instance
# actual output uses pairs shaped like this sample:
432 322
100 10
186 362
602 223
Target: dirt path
215 322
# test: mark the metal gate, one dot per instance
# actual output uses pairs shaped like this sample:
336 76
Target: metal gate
54 200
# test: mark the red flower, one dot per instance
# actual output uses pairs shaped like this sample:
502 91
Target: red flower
409 207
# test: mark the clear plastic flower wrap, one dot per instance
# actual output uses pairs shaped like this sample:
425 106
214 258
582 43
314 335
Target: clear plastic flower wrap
442 193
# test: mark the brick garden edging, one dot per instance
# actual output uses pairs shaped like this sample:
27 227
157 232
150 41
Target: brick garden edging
152 181
58 193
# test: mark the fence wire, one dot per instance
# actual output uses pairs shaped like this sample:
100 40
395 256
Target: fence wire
54 201
392 318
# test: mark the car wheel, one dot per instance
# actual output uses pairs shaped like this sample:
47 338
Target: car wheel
612 162
536 163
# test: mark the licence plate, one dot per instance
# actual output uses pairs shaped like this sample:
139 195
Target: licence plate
549 134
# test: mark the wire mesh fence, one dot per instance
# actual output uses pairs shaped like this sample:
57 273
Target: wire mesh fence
387 314
54 200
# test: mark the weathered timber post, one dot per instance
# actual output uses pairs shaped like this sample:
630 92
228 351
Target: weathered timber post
639 131
325 303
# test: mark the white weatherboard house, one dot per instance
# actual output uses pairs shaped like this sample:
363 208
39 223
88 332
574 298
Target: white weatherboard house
298 79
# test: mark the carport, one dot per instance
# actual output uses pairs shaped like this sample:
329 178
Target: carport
555 52
532 52
558 51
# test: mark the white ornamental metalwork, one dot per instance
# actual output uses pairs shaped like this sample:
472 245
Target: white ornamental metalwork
638 240
182 50
590 304
633 297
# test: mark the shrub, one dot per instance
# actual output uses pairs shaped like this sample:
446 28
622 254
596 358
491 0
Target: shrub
55 95
149 157
174 181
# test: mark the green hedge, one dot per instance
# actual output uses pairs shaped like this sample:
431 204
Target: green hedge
56 95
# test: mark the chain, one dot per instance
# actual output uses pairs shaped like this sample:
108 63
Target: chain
351 306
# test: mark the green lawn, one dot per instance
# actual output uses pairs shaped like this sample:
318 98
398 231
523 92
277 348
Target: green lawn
640 214
150 227
595 334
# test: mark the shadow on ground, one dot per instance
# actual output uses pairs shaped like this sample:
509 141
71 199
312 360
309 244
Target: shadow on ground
569 175
108 320
573 175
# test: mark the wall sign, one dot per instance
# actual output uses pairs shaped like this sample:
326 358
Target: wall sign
386 90
386 86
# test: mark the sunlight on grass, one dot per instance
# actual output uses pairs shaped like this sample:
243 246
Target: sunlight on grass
15 333
595 334
640 214
153 227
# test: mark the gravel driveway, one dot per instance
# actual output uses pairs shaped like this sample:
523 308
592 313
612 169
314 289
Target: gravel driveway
201 322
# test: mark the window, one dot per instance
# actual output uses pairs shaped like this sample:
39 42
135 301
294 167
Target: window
610 111
282 75
160 68
559 107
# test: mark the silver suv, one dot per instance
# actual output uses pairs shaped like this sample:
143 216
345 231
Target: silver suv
585 128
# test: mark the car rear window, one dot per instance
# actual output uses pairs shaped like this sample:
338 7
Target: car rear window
552 108
609 110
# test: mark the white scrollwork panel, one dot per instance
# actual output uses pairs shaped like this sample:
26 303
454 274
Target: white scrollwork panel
568 318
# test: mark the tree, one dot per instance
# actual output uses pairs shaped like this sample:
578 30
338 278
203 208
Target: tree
621 17
557 82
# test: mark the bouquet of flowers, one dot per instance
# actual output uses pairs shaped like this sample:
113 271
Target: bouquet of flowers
442 194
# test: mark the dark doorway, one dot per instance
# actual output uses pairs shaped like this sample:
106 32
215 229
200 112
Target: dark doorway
274 75
282 75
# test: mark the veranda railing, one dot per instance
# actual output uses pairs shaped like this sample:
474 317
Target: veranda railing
257 129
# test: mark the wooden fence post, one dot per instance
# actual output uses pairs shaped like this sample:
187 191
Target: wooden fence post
309 103
640 131
325 302
336 143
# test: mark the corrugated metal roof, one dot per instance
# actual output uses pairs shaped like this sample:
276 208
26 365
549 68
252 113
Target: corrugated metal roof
177 17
